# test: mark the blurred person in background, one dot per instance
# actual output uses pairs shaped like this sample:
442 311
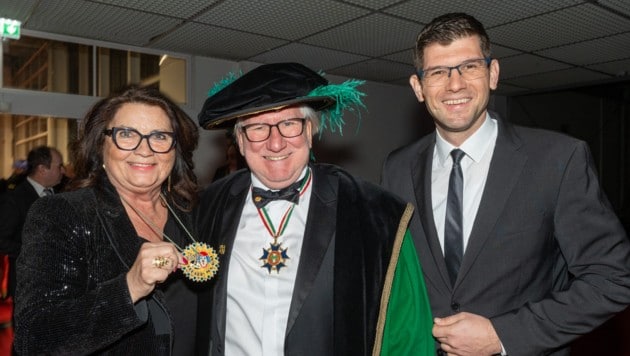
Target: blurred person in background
32 179
18 175
233 158
44 171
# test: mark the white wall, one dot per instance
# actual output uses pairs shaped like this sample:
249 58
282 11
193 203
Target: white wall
390 120
204 73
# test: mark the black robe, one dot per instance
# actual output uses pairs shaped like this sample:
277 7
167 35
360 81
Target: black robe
348 241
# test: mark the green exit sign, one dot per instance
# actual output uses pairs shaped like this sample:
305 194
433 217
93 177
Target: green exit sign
10 28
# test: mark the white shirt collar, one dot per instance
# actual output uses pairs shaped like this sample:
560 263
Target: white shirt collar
38 187
475 146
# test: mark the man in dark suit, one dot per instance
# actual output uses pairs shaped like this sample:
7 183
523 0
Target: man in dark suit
520 249
320 272
44 171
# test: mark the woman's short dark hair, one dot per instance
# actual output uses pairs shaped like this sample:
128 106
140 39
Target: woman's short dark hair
88 149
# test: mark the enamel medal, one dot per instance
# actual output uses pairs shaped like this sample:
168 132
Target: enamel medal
274 257
201 262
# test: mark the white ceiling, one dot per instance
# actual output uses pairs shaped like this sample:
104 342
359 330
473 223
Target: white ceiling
541 45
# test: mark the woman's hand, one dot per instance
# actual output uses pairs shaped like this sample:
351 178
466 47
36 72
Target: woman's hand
155 261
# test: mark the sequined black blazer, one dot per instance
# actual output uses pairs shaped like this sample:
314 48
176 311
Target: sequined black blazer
72 295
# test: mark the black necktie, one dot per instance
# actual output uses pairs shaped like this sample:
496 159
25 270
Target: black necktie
291 193
453 235
47 192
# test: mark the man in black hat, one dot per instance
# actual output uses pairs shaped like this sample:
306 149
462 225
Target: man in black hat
311 258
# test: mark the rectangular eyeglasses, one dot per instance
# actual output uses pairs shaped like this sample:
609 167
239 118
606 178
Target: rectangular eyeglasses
128 139
468 70
287 128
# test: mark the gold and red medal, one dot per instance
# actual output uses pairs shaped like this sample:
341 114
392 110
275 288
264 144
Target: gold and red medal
201 262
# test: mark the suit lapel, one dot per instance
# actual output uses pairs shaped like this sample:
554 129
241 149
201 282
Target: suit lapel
117 226
505 168
223 239
319 231
31 193
421 172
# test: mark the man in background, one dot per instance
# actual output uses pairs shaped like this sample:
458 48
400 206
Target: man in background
44 171
233 159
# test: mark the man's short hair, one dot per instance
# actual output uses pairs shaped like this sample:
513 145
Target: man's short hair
447 28
41 155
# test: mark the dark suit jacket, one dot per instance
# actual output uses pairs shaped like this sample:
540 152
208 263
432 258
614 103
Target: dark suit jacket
14 205
348 240
547 259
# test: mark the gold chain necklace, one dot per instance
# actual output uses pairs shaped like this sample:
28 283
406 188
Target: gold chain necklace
200 261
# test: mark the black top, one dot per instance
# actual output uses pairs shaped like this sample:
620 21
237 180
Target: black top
181 299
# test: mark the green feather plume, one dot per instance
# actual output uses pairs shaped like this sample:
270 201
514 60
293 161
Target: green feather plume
347 97
227 80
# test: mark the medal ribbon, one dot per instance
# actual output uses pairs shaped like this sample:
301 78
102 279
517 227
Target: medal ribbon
264 216
262 212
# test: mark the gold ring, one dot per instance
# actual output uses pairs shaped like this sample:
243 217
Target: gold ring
160 262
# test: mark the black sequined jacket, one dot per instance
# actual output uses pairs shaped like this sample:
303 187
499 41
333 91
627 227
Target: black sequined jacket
72 296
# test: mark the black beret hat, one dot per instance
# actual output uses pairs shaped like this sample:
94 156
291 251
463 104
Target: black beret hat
268 87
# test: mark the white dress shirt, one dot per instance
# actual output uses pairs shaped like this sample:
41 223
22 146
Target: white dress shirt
475 165
258 301
38 187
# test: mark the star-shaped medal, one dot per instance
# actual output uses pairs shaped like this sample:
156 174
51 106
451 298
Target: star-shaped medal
274 257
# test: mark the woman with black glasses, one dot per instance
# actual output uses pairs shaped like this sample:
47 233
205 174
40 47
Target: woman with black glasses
111 267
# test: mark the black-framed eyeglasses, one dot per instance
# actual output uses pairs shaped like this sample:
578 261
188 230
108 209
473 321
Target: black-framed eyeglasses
128 139
287 128
468 70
